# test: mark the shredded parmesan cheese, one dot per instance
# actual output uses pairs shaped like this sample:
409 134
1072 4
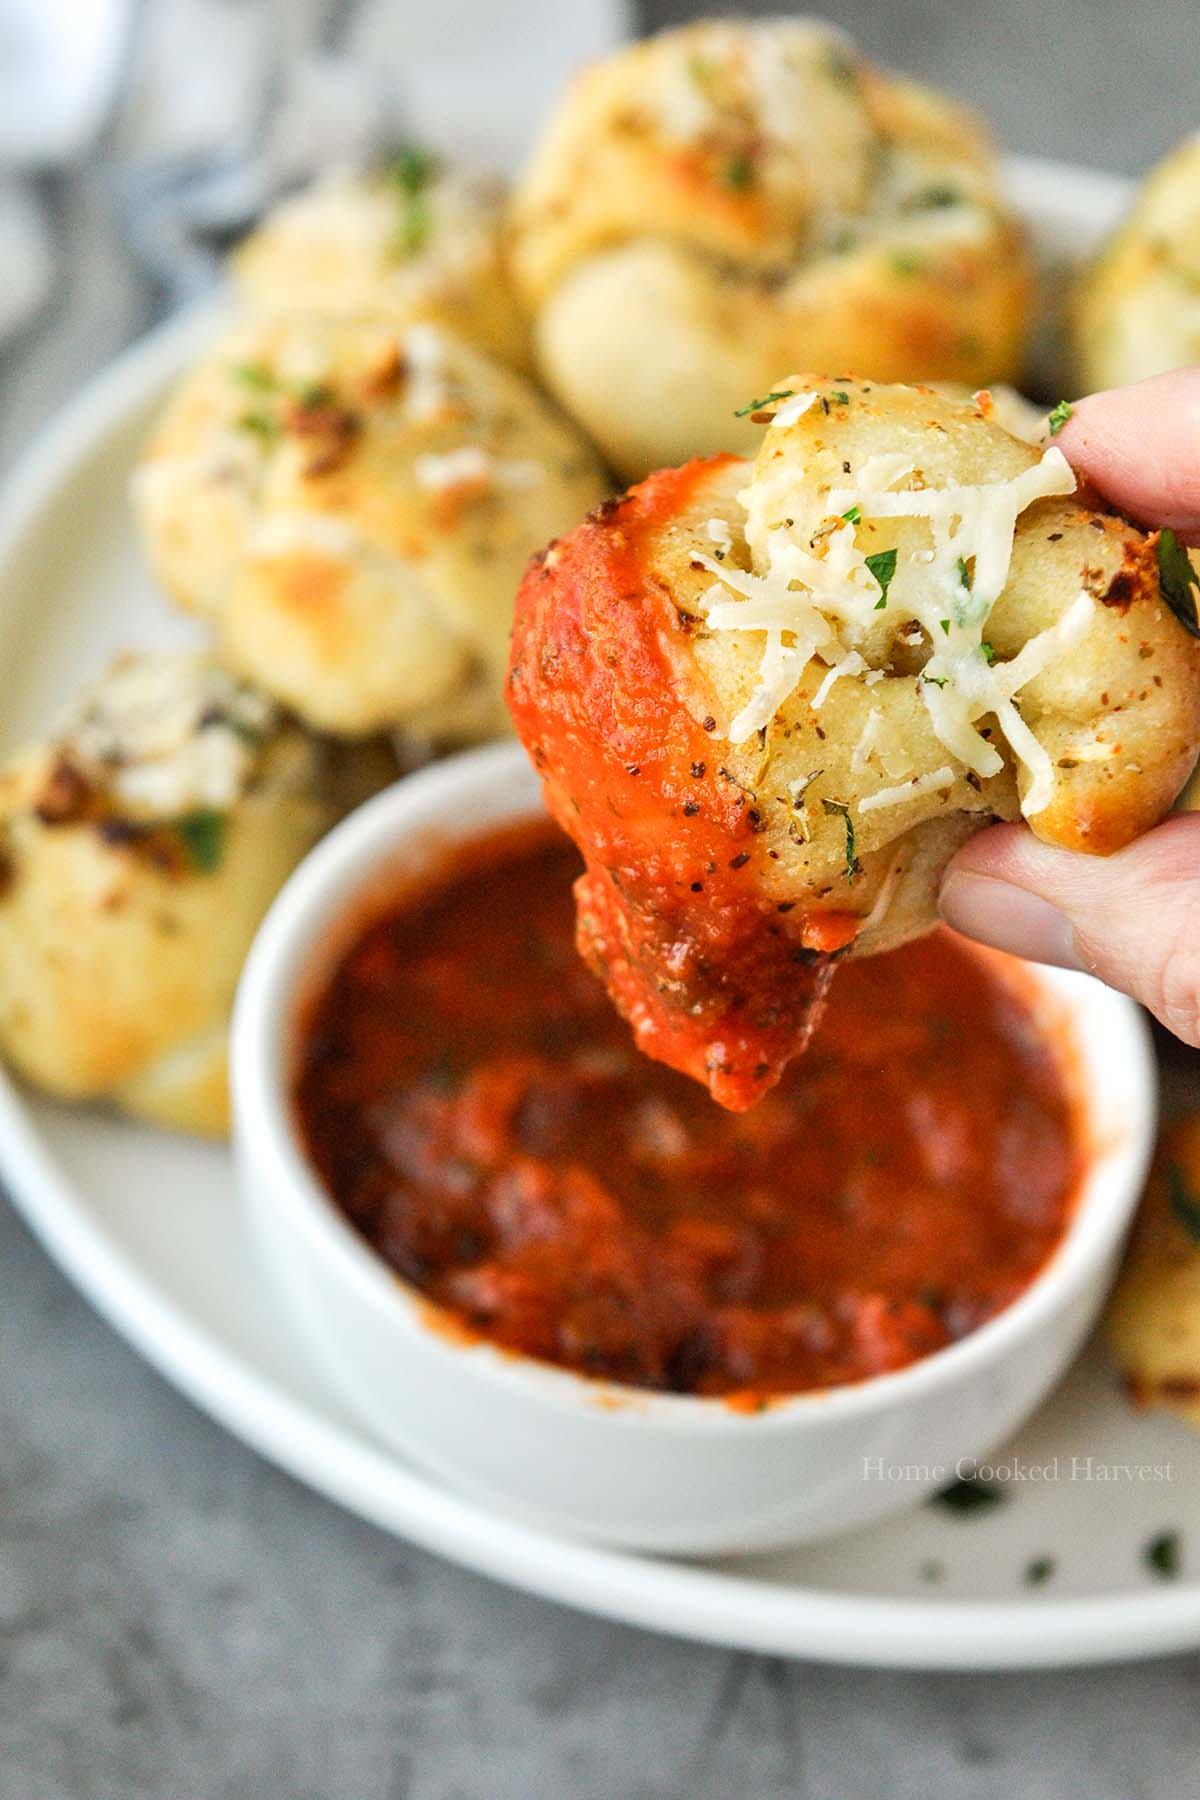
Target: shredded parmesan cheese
169 733
850 664
473 467
468 467
323 535
793 409
868 741
909 790
819 598
426 392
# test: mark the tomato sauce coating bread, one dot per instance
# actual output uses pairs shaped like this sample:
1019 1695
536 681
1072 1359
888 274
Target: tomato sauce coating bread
938 631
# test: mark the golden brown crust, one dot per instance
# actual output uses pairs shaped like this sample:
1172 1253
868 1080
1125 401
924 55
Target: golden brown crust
1153 1318
1136 308
407 242
1118 713
123 926
353 507
726 200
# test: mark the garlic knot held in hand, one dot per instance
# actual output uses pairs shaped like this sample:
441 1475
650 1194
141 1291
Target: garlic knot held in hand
770 700
730 199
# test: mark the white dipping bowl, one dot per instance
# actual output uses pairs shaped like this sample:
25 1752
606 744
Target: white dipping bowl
618 1465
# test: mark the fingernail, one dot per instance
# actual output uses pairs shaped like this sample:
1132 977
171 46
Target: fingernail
1009 918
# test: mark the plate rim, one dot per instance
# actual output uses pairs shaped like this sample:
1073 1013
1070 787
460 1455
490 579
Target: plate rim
694 1601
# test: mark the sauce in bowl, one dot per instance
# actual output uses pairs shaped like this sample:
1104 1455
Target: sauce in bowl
477 1109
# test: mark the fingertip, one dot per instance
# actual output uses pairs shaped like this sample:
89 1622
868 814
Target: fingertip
997 890
997 852
1007 917
1140 447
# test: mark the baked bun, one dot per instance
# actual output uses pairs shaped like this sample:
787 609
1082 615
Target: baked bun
769 700
409 241
731 199
1137 306
353 507
139 849
1153 1319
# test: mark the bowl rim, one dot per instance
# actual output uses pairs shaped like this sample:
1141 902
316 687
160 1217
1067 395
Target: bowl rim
427 805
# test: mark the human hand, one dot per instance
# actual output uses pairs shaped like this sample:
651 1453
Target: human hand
1133 919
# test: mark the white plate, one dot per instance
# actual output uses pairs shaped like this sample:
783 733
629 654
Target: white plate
147 1226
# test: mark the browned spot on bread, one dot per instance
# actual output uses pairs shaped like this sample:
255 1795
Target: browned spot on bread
333 429
384 379
65 796
1173 1387
119 833
600 515
1131 579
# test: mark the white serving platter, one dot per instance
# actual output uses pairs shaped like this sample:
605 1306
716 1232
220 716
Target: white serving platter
149 1228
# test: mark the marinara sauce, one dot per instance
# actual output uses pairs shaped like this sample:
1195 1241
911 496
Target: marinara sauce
477 1108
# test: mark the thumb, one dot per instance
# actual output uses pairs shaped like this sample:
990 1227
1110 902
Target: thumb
1133 919
1140 446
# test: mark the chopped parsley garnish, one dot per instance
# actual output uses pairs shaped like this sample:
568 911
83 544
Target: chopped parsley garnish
904 263
839 67
1184 1204
882 566
1058 417
839 809
1178 580
1039 1570
411 171
256 376
938 681
970 1495
853 515
931 198
945 625
965 575
987 651
202 834
839 394
1164 1555
742 412
313 394
738 174
413 232
243 728
262 425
